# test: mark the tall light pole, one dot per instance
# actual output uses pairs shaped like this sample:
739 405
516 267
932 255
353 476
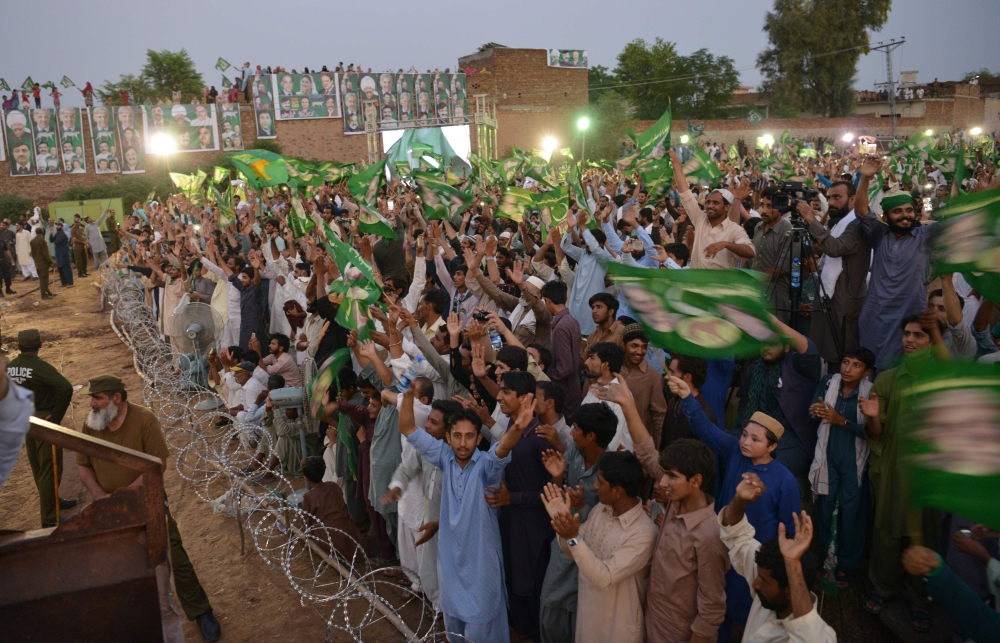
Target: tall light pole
582 124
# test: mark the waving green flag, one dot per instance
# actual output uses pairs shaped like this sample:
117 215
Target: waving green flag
66 82
28 84
951 413
260 168
227 216
552 209
347 256
514 202
828 148
579 192
509 168
299 222
48 85
734 153
702 313
651 144
440 200
226 83
4 86
302 173
364 187
222 65
189 184
657 177
220 174
968 241
326 377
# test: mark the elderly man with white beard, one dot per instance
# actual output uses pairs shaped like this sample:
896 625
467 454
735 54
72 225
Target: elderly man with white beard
114 419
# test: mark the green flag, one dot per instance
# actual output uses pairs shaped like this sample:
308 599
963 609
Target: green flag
968 241
48 85
219 174
371 221
828 148
365 186
700 167
734 152
222 65
552 208
333 172
4 86
226 83
951 441
189 184
440 200
918 146
347 256
28 84
807 153
66 82
299 222
652 143
151 197
260 168
657 177
702 313
227 216
513 203
510 167
301 173
578 191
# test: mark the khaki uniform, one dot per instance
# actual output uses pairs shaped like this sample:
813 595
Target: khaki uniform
79 239
43 262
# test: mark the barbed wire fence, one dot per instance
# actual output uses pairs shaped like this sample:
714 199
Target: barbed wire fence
210 450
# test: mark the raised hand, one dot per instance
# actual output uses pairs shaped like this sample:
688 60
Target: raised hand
454 325
678 386
618 393
871 165
479 361
526 412
750 487
554 462
555 500
869 406
793 548
516 273
566 525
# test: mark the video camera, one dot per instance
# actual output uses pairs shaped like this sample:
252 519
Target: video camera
788 193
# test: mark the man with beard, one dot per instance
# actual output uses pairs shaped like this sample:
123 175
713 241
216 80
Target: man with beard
114 419
52 396
899 268
771 253
843 271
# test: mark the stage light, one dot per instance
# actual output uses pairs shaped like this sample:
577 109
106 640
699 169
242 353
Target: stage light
684 139
976 131
929 132
848 137
162 144
583 124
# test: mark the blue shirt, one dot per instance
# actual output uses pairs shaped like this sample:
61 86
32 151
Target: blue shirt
470 559
591 267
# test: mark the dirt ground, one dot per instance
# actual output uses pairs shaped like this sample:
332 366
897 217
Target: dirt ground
252 601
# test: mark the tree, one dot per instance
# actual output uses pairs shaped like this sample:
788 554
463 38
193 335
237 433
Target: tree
982 74
653 76
610 114
814 50
164 69
599 79
137 85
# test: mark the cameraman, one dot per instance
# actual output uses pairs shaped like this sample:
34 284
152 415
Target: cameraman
843 272
771 243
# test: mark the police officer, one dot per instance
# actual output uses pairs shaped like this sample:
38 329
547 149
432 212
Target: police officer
52 396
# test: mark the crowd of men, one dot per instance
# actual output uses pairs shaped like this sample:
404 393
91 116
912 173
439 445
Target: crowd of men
509 437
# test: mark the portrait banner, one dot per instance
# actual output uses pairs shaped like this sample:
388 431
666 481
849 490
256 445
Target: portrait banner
46 141
351 96
71 140
425 102
388 102
232 128
133 157
368 87
20 142
3 147
459 105
191 128
263 106
568 58
104 140
442 99
405 87
304 96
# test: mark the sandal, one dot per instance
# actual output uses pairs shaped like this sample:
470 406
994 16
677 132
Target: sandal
843 580
920 619
873 603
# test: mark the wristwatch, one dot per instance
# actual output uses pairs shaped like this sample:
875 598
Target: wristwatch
572 542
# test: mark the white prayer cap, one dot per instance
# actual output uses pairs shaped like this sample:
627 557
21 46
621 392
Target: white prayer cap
535 281
178 110
16 117
726 194
505 234
367 82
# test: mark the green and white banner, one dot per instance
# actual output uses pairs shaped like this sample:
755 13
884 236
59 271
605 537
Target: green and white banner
568 58
459 105
263 106
406 94
232 128
304 96
104 138
190 128
425 100
130 140
703 313
46 141
20 142
350 92
442 99
71 140
388 100
368 87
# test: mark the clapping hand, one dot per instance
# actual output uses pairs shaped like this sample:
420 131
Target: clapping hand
826 412
869 406
555 500
554 463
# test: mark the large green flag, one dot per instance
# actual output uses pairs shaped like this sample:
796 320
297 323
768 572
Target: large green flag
302 173
227 216
364 186
222 65
734 153
917 146
951 443
509 168
261 168
808 153
347 256
657 177
48 85
299 222
701 167
226 83
828 148
220 174
66 82
579 192
334 172
326 377
28 84
968 241
189 184
371 221
514 202
552 208
652 143
4 86
702 313
440 200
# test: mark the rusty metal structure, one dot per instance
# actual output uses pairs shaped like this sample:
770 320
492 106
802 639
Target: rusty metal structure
102 575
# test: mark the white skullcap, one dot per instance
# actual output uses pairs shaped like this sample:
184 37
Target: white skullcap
726 194
16 117
178 109
367 81
535 281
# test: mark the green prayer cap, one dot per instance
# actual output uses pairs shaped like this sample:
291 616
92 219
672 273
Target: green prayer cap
896 199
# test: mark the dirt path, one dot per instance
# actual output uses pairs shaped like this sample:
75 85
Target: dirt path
252 601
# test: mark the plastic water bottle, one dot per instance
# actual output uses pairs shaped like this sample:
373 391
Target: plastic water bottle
410 374
796 273
495 340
